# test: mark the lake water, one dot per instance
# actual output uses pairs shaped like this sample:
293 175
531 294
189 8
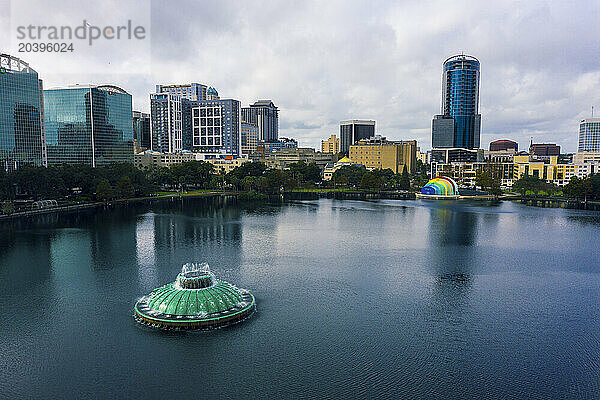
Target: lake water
387 299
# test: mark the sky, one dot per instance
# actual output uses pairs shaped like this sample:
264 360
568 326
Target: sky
326 61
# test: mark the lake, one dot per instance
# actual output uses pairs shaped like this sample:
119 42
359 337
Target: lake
355 299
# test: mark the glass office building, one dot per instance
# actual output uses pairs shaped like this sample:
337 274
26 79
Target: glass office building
589 135
265 115
353 130
141 130
88 125
461 99
460 103
21 115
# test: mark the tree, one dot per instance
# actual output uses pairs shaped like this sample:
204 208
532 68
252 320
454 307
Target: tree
533 184
253 169
404 183
305 173
352 175
125 188
488 182
104 191
372 180
8 207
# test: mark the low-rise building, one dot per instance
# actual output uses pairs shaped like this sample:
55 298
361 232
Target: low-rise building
546 168
221 162
330 168
154 158
283 143
283 158
584 157
379 153
227 164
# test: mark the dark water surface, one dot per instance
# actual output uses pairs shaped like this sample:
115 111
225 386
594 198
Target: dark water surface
388 299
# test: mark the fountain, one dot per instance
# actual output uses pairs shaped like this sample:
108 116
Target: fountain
196 300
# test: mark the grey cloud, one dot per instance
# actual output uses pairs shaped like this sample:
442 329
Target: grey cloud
325 61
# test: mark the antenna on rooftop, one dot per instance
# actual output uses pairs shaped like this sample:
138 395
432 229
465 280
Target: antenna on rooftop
592 111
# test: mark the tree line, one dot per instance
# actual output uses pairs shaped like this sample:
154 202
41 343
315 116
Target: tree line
587 188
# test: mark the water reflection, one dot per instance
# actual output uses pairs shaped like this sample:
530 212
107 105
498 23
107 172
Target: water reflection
177 231
452 238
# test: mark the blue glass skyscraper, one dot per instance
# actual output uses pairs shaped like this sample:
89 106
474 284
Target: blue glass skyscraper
459 126
21 115
461 99
88 125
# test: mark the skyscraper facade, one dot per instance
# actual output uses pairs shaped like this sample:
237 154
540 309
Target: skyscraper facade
88 125
190 91
166 122
190 94
217 127
331 145
265 115
460 102
141 130
249 137
589 135
353 130
21 115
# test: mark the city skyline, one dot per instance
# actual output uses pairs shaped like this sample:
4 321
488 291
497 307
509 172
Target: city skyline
389 72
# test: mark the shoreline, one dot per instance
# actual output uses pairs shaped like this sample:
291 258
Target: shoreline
309 194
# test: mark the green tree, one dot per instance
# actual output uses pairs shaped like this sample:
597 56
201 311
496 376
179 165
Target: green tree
353 175
305 173
8 207
372 180
529 184
404 183
488 182
104 191
125 188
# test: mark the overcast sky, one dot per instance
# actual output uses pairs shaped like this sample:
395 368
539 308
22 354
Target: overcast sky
326 61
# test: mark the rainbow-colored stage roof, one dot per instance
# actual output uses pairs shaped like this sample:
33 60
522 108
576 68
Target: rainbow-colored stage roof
440 186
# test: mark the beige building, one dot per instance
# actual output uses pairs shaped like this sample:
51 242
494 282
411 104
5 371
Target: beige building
586 157
226 166
283 158
331 145
331 167
379 153
154 158
149 158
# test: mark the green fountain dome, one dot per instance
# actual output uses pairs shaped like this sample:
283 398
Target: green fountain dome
197 299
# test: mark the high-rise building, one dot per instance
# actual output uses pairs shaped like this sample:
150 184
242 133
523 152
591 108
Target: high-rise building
442 132
589 135
88 124
460 105
141 131
166 122
353 130
217 127
544 149
249 137
190 91
190 94
21 115
331 145
503 145
265 115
